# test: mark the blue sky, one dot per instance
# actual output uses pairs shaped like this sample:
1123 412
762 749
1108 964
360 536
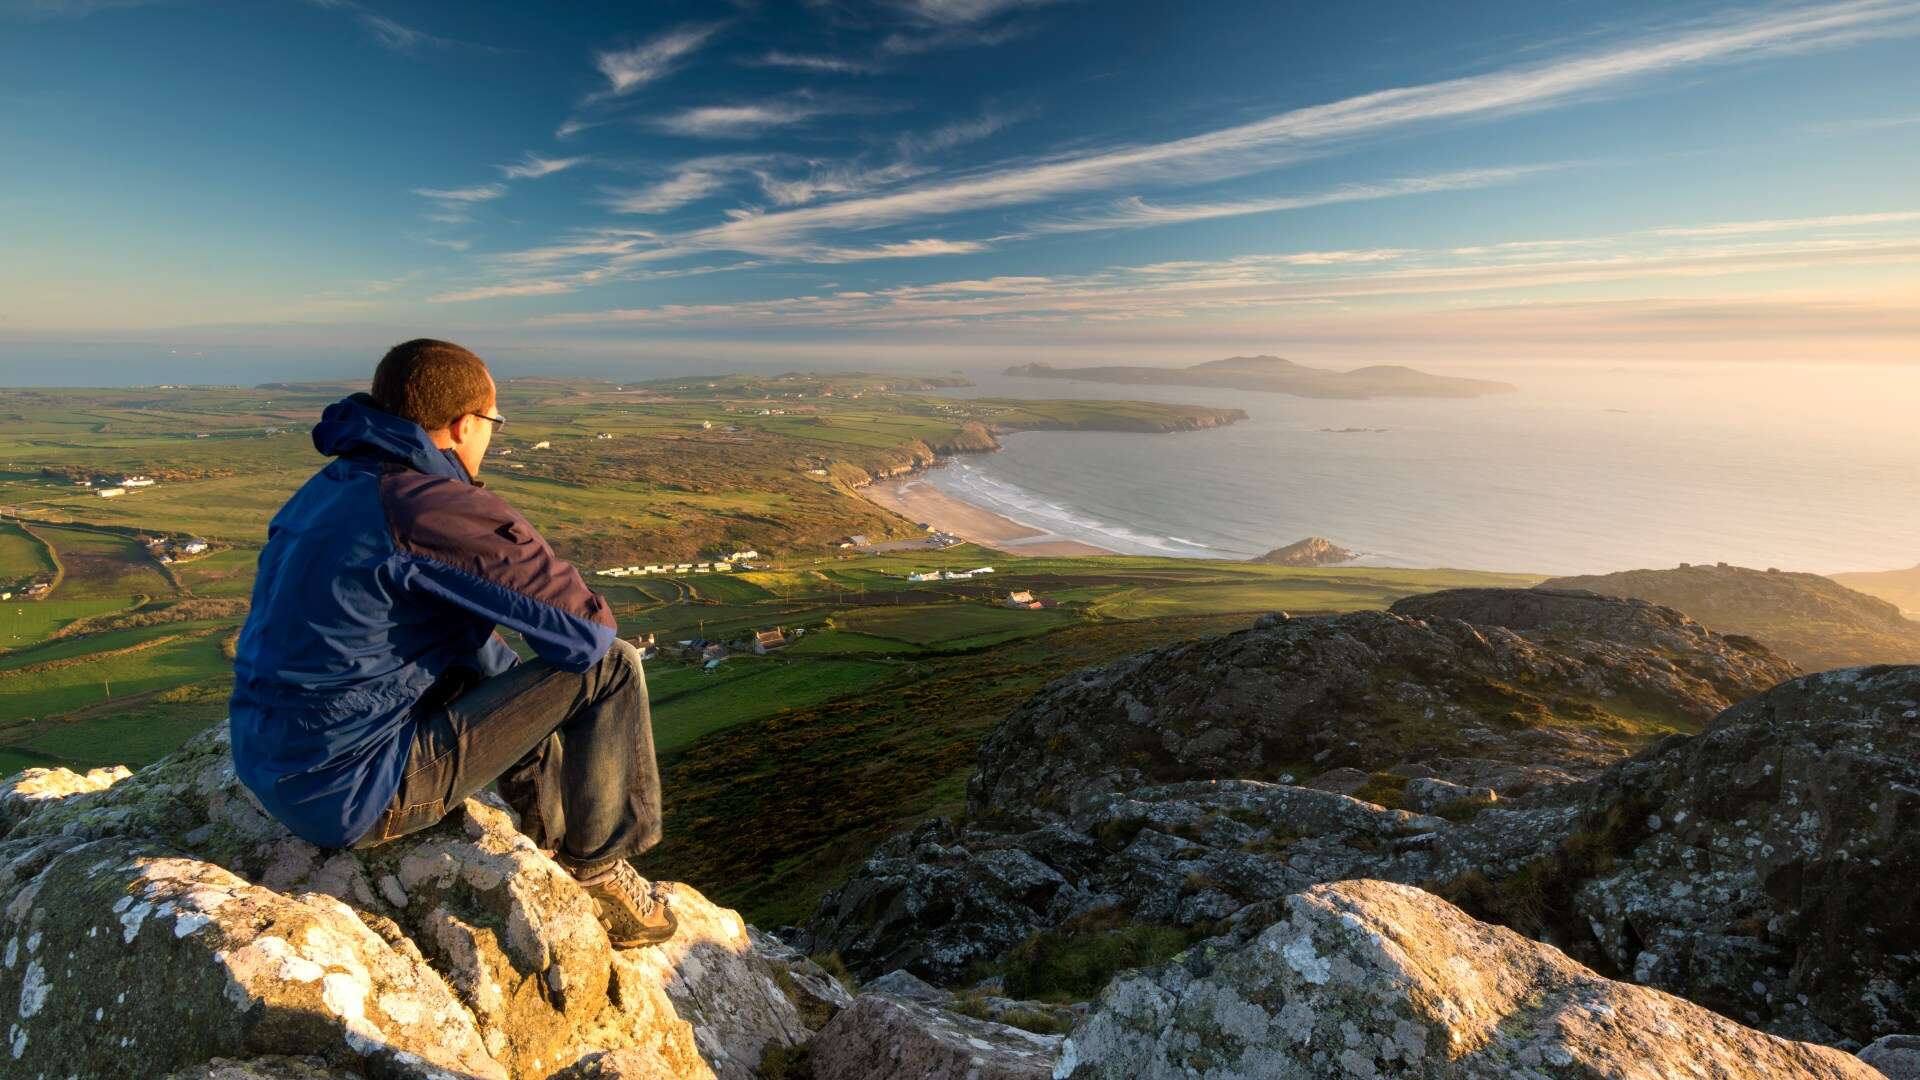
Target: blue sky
924 181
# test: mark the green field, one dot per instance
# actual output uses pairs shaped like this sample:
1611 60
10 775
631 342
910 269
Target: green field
103 565
752 688
22 557
220 573
178 657
28 622
953 625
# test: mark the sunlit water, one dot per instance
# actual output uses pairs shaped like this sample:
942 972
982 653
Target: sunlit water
1803 468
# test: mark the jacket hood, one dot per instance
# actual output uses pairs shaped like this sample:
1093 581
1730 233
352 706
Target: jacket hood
355 427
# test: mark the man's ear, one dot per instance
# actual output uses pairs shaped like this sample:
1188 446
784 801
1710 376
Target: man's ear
461 427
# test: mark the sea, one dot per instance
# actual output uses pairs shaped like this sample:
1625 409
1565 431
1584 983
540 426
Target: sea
1582 470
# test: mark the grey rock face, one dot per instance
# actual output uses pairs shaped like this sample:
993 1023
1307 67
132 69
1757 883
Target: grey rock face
1748 868
459 951
1371 979
888 1038
1576 688
1735 667
1896 1056
1766 883
31 789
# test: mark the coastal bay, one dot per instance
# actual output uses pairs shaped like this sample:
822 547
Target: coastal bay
916 499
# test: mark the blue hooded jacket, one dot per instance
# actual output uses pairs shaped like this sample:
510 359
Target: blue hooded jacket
385 569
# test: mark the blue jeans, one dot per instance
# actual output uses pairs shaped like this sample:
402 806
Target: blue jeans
573 754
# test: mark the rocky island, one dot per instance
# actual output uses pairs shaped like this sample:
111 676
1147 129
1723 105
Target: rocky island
1313 551
1281 376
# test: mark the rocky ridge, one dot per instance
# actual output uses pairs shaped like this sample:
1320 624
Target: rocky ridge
1536 766
1814 621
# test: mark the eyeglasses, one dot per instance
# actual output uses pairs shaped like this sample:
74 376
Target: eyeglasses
498 421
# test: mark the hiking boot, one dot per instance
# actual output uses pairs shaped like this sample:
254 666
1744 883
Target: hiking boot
628 909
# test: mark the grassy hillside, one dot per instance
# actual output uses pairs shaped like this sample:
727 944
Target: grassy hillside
1815 622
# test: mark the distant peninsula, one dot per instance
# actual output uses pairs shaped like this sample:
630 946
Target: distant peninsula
1281 376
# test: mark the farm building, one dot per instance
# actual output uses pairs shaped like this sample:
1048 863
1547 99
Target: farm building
110 493
193 547
543 444
1019 599
766 641
136 481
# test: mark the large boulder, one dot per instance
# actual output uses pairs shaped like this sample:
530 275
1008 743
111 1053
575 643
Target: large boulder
883 1037
1770 877
459 950
30 789
1367 979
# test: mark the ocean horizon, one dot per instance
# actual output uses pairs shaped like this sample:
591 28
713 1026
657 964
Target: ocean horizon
1801 467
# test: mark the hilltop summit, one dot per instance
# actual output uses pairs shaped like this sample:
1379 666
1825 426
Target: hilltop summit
1814 621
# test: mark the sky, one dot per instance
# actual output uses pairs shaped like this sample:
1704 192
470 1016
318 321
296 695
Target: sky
939 183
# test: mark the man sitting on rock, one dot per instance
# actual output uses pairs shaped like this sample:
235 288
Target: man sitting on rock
371 693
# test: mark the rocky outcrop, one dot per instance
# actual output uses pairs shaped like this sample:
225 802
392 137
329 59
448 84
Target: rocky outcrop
884 1037
1814 621
1615 630
1897 1056
1368 690
1763 885
1745 867
31 789
1313 551
1371 979
458 951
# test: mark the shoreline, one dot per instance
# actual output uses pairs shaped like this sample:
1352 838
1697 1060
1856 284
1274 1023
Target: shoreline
913 498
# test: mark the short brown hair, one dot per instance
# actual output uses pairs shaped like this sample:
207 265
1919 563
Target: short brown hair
432 383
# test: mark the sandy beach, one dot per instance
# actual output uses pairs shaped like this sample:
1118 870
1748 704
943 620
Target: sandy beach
917 500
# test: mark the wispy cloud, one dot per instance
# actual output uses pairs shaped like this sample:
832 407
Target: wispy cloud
963 12
533 166
1135 212
1314 130
904 249
1196 292
839 65
630 69
451 245
689 185
453 205
948 136
477 193
734 121
1831 221
496 292
824 181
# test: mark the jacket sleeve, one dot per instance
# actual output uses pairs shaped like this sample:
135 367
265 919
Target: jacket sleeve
465 546
495 656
